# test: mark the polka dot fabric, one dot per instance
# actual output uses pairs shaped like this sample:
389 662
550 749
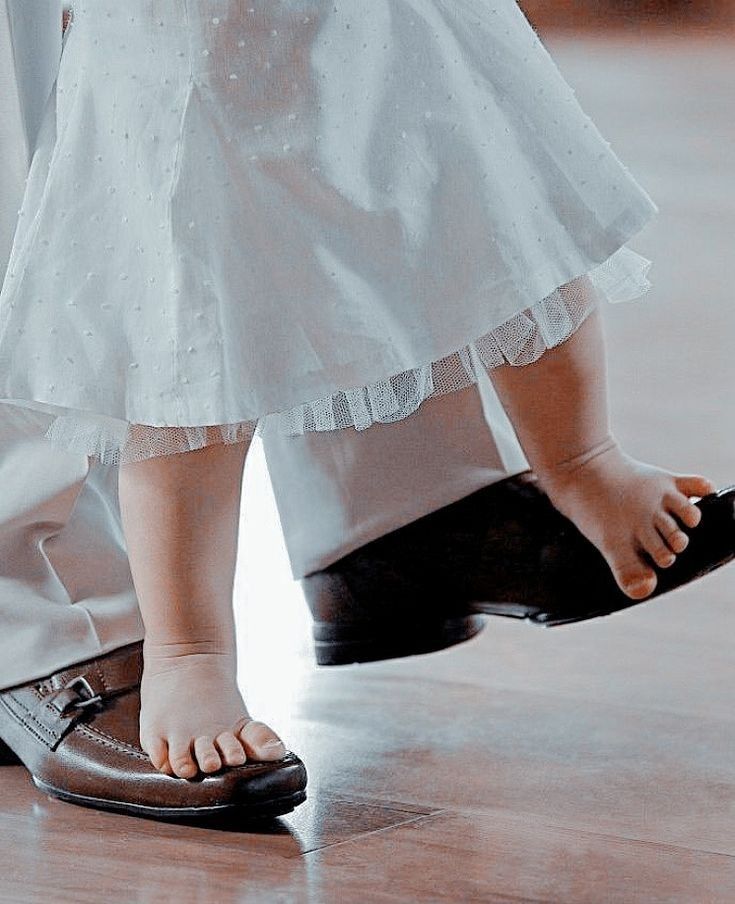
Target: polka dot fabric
301 215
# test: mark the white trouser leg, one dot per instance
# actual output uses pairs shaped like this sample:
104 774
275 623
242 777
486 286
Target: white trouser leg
13 146
66 593
65 588
337 490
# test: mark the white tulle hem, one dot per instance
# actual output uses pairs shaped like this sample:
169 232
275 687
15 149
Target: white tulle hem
519 341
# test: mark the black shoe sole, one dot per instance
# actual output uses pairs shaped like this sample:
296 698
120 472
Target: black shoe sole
336 644
267 809
548 620
536 616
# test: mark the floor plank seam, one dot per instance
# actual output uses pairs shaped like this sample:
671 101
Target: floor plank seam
362 835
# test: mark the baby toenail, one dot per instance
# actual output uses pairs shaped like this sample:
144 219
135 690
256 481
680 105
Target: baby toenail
273 743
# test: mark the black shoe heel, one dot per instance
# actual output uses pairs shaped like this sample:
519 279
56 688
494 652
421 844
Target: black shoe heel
363 612
336 644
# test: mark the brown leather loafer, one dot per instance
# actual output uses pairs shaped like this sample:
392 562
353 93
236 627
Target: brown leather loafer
77 734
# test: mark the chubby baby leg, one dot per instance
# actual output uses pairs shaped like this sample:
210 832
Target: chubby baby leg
180 515
633 512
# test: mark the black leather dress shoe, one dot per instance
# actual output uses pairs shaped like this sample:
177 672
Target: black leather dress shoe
503 550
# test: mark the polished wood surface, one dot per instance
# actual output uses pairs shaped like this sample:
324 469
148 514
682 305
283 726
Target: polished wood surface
682 16
581 765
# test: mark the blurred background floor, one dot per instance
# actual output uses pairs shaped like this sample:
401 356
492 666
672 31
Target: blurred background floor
592 763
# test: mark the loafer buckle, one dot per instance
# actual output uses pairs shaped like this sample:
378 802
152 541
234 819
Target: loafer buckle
85 692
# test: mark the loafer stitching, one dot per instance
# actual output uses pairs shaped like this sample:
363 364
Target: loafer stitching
101 676
52 736
19 717
99 737
32 715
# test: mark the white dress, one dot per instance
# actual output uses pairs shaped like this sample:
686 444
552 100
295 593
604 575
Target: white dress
305 215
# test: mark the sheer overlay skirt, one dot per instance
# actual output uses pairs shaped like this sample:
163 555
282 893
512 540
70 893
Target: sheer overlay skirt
519 341
296 217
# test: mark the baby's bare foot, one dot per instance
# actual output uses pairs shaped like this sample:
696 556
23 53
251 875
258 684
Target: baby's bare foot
192 715
628 508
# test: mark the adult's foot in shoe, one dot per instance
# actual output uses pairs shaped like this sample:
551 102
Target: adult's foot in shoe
193 718
633 512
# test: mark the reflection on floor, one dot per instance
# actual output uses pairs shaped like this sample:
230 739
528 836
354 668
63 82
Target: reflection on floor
590 764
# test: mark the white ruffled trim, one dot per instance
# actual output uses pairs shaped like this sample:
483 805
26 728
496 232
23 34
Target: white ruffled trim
117 442
520 340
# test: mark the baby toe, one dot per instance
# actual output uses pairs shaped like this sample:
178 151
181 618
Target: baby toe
231 750
694 485
157 750
654 544
206 755
680 505
182 762
261 742
632 576
673 535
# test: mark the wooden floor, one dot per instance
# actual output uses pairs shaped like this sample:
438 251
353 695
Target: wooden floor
579 765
